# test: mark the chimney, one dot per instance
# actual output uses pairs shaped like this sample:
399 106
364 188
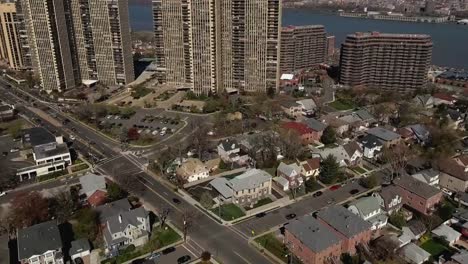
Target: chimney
120 218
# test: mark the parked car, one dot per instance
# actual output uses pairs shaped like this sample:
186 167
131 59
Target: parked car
317 194
154 255
184 259
176 201
335 187
14 150
354 191
290 216
262 214
168 250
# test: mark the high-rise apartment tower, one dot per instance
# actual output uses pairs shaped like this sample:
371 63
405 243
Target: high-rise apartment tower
396 62
10 45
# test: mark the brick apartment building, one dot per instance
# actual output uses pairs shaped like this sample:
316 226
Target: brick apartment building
307 134
418 195
323 239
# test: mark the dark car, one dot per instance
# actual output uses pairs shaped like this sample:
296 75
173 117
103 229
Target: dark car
168 250
262 214
354 191
184 259
290 216
176 201
317 194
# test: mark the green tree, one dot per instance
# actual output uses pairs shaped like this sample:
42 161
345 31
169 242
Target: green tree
328 136
370 181
14 128
397 219
114 192
127 112
206 200
86 224
446 210
329 170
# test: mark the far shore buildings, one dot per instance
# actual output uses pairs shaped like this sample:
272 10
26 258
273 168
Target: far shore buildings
396 62
209 46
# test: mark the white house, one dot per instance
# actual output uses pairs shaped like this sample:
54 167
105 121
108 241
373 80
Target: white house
368 208
193 170
429 176
371 146
349 154
127 228
414 254
229 150
291 172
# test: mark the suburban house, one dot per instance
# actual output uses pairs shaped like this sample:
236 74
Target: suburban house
93 189
387 137
307 134
7 112
448 233
352 229
315 125
459 258
414 254
371 146
443 98
192 170
429 176
313 242
230 152
109 210
50 153
126 228
424 100
336 123
245 189
346 155
368 208
417 132
308 106
418 195
80 249
40 244
359 120
292 109
389 199
310 167
455 118
292 174
454 175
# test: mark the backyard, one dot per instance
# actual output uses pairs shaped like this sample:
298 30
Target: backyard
342 104
433 247
228 212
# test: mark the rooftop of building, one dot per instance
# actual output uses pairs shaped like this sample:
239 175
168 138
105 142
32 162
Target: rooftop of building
417 187
37 136
37 239
344 221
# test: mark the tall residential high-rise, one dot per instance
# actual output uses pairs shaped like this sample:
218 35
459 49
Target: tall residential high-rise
49 41
212 45
302 47
396 62
10 46
102 40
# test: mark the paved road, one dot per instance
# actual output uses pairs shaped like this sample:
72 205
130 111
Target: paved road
224 242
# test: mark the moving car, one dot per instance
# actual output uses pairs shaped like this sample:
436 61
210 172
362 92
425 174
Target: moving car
290 216
3 193
317 194
262 214
184 259
176 201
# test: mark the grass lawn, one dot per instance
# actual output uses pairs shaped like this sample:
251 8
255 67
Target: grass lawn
77 161
165 236
359 170
342 104
367 168
80 167
228 212
272 244
262 202
313 186
434 248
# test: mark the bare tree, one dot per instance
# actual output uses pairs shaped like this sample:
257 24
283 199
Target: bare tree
189 218
396 157
163 216
290 143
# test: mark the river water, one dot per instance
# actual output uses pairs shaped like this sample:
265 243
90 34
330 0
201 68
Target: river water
450 40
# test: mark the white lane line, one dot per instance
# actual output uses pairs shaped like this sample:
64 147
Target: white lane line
197 251
198 245
167 201
240 233
246 261
195 255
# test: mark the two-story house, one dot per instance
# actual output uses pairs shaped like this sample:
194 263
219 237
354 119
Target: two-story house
418 195
291 108
127 228
352 229
40 244
308 106
429 176
390 199
387 137
368 208
245 189
306 134
371 146
346 155
291 173
229 150
454 174
310 167
192 170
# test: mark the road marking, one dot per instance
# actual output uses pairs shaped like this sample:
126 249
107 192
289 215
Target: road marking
167 201
246 261
189 250
240 233
198 245
166 193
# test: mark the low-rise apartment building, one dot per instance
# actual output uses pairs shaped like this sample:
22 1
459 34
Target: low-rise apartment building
40 244
245 189
306 134
418 195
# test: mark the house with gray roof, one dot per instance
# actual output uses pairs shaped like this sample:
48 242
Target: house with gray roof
245 189
414 254
424 100
40 243
90 183
312 241
387 137
314 124
79 249
349 154
429 176
447 232
108 210
290 172
371 146
127 228
308 106
353 229
368 208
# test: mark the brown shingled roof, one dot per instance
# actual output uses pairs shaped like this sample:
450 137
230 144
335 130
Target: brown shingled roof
452 168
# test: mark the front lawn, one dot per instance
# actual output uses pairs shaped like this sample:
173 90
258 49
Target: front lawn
342 104
312 185
262 202
433 247
359 170
272 244
79 167
228 212
165 236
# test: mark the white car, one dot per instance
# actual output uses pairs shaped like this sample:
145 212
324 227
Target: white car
447 192
210 133
14 150
72 137
2 194
162 133
155 133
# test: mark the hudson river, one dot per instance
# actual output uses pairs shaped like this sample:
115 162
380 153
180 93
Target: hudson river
450 40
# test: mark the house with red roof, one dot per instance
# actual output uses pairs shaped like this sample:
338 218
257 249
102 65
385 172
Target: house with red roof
307 134
444 98
93 189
